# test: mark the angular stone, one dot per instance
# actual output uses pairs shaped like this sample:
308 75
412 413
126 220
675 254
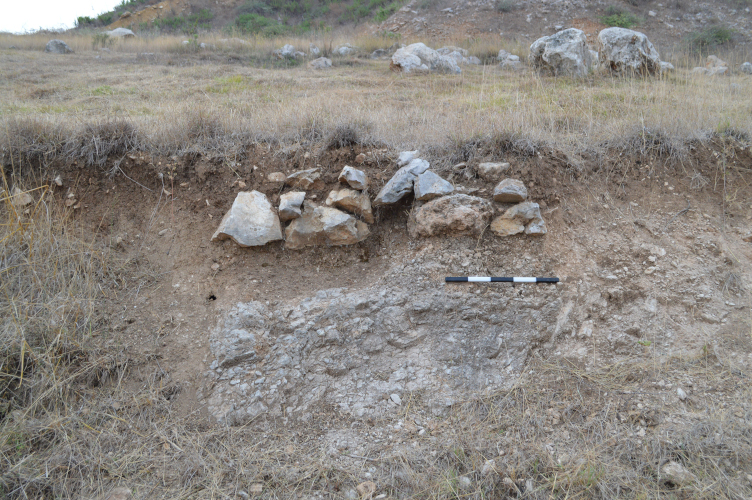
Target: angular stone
746 67
276 177
290 205
428 186
303 179
506 227
418 56
406 157
21 198
401 182
458 214
627 51
676 474
352 201
564 53
353 177
121 33
491 171
510 191
325 226
250 221
57 47
523 215
321 63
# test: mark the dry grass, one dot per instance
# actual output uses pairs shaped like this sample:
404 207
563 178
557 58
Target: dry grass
70 427
170 99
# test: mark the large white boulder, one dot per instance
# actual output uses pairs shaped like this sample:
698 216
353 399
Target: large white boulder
418 56
120 33
250 221
627 51
564 53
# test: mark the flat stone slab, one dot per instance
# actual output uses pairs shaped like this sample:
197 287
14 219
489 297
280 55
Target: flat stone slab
303 179
250 221
491 171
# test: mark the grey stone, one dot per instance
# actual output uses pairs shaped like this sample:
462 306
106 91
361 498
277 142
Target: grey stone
627 51
401 183
746 68
396 399
354 178
564 53
276 177
57 47
418 56
521 217
676 474
680 392
120 33
303 179
313 49
353 201
491 171
324 226
510 191
406 157
666 67
290 205
20 198
250 221
428 186
321 63
454 215
346 50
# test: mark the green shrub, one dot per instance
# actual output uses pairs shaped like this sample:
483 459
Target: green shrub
253 23
105 18
187 24
253 7
82 21
386 12
101 40
710 37
615 16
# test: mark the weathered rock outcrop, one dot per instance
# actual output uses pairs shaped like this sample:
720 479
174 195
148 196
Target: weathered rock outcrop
250 221
564 53
628 52
324 226
454 215
289 358
418 56
57 47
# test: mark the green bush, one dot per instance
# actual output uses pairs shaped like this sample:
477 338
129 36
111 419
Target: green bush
361 9
615 16
253 23
253 7
105 18
130 5
82 21
710 37
187 24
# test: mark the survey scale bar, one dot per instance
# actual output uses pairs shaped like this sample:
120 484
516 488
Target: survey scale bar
502 279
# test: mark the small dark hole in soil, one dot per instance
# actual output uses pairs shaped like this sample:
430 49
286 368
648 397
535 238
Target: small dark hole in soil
212 297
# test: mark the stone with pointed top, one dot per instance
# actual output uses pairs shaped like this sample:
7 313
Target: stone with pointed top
250 221
428 186
354 178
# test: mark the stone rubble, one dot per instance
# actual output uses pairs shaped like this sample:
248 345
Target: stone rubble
522 217
324 226
401 183
353 201
303 179
454 215
491 171
510 191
